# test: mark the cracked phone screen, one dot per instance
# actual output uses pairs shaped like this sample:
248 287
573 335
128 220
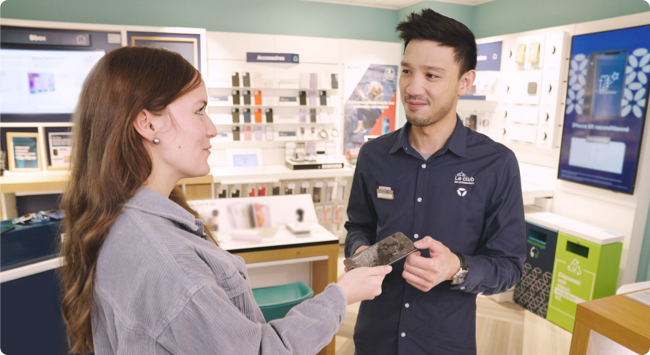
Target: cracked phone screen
386 252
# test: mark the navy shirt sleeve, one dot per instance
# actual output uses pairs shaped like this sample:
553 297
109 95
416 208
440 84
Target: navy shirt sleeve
362 217
500 256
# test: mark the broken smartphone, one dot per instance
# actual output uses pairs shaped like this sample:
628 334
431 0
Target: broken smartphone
386 252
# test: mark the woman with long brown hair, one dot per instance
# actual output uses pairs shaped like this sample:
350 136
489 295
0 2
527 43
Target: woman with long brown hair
142 273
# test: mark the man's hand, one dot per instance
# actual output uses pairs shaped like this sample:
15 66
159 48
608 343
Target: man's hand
425 273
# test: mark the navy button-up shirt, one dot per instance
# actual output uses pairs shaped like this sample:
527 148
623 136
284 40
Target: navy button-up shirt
468 196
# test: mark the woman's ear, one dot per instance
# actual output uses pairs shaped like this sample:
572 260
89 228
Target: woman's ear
145 125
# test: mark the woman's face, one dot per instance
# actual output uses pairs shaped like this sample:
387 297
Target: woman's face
185 137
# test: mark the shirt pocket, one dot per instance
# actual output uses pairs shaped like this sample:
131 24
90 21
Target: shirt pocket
234 283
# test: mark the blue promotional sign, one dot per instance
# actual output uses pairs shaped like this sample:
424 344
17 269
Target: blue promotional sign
488 64
605 108
488 56
254 57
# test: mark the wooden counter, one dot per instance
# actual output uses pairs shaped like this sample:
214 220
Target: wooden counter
618 318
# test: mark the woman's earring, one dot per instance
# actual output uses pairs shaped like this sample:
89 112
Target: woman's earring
156 141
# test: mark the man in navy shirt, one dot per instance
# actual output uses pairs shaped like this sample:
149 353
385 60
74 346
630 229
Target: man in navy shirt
454 192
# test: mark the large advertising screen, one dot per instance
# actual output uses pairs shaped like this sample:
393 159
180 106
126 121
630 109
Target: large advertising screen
605 108
43 81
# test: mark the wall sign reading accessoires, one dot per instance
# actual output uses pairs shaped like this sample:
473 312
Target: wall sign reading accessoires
255 57
606 104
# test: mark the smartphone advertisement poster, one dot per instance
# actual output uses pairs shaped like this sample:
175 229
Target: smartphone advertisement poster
370 97
605 108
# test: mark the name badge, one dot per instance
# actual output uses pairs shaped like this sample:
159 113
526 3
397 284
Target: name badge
385 193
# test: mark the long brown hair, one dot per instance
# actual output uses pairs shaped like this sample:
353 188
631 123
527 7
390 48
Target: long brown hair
110 162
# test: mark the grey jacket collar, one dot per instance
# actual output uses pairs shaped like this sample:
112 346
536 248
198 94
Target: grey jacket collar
153 203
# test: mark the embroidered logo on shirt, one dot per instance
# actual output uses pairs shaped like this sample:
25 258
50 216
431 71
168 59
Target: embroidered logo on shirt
461 191
462 178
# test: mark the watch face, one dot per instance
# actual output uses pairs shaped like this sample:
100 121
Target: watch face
459 277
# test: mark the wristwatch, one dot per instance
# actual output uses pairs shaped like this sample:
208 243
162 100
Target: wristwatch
462 273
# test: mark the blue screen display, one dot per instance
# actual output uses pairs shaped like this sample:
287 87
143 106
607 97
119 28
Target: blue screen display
244 160
606 103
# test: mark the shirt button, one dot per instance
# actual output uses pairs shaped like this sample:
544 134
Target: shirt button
416 236
419 199
403 335
407 305
424 166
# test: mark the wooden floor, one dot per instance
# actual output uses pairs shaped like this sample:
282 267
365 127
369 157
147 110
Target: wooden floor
501 328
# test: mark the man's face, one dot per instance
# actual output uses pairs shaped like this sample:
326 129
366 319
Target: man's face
430 82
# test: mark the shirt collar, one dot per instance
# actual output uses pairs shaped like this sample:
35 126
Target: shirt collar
457 143
153 203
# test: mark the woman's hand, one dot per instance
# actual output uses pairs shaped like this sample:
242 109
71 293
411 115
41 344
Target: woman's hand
363 283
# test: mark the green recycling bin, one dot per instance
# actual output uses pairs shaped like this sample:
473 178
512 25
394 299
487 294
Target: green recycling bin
275 302
586 267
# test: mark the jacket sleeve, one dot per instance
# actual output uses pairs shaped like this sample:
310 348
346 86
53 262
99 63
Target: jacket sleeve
209 323
498 261
362 217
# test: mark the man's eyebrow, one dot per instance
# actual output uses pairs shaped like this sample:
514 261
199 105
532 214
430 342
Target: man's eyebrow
428 67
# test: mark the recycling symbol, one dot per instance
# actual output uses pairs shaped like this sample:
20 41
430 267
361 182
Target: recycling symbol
575 267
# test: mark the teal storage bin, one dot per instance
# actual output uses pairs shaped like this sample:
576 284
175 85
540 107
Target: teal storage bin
275 302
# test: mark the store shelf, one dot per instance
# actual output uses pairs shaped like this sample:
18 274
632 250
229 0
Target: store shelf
273 106
274 173
47 181
266 88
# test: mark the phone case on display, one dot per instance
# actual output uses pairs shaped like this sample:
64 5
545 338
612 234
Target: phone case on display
235 78
235 133
312 115
258 80
235 191
533 52
222 192
269 115
235 115
258 97
251 191
303 115
247 97
247 133
257 130
335 81
303 98
261 190
276 190
258 115
268 133
235 97
304 80
246 79
323 98
313 98
520 57
313 80
247 115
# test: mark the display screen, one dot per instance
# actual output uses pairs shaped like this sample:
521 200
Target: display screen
605 108
244 160
43 81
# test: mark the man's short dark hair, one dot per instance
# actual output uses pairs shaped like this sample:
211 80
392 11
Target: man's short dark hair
432 26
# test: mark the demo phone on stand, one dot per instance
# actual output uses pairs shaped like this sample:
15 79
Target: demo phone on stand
605 84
